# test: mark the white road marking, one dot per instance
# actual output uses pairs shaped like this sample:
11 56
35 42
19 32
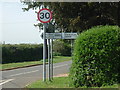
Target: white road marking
60 66
23 73
35 70
2 81
5 81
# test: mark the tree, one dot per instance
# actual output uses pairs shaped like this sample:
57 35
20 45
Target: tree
61 48
76 17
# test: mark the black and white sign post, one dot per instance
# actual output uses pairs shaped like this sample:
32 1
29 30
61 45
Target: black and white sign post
45 15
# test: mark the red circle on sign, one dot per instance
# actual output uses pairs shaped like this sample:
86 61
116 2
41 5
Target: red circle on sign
42 10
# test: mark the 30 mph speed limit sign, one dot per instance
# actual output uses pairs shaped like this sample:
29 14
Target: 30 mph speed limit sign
44 15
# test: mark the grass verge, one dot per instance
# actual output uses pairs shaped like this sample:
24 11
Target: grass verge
56 59
59 82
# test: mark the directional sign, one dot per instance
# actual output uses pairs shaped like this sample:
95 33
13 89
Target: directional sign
44 15
61 35
69 35
53 35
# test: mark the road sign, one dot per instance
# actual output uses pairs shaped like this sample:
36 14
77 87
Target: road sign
53 35
69 35
61 35
44 15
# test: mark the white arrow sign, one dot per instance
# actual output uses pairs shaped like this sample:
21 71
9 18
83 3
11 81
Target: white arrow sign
61 35
53 35
69 35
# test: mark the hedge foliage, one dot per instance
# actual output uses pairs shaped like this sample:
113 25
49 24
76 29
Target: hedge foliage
96 57
60 48
21 52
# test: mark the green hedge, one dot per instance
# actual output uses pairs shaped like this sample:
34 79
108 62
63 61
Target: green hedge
21 52
96 60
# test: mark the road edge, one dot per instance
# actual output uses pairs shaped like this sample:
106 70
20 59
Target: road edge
21 67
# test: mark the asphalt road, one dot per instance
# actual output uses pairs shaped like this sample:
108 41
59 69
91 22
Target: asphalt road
19 78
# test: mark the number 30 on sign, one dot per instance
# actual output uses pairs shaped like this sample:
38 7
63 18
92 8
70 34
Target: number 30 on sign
44 15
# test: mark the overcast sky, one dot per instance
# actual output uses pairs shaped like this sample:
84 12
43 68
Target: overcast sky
17 26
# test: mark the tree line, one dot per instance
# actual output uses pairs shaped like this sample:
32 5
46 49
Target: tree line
12 53
21 52
79 16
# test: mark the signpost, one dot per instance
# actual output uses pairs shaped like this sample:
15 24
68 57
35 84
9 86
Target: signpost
61 35
53 36
69 35
45 15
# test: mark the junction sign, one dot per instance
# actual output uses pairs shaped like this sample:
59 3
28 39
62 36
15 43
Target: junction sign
61 35
44 16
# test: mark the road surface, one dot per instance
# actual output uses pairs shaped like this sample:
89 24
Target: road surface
19 78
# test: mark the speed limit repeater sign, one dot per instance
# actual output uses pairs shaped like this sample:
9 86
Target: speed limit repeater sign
44 15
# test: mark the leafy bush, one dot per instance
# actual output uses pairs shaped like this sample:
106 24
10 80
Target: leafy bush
21 52
96 57
61 48
56 54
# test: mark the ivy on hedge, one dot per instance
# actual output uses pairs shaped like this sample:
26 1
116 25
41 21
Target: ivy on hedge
96 57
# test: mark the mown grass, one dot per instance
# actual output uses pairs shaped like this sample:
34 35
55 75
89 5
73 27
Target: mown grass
56 59
59 82
20 64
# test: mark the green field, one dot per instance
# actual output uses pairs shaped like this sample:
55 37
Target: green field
59 82
56 59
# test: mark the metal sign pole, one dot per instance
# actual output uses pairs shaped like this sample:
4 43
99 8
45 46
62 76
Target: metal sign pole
44 15
44 53
52 59
49 59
